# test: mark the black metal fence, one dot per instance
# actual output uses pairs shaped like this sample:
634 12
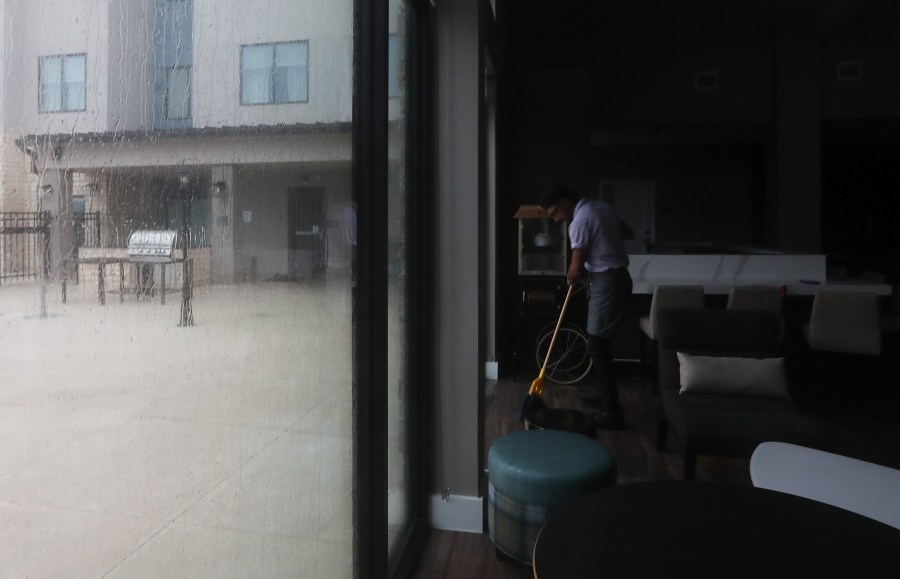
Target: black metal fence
87 229
24 245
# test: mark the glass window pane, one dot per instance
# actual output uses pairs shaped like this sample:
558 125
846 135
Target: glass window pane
73 68
256 74
172 417
290 72
73 82
178 93
51 83
394 70
290 54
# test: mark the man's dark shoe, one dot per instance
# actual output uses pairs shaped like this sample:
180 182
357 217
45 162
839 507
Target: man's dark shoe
608 420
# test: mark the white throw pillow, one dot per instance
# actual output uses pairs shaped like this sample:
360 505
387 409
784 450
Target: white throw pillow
733 376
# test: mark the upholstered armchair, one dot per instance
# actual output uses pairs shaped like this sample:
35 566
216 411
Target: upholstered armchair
723 388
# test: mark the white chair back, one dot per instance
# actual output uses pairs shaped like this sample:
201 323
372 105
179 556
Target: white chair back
671 297
865 488
844 322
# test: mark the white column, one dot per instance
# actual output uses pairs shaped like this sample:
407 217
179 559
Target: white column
460 262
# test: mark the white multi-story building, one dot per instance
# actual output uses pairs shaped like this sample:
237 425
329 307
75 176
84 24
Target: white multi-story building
126 112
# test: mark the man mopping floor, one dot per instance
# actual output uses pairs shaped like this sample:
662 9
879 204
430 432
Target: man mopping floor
597 237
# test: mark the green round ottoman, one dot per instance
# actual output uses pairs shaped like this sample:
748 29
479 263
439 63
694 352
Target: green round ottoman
531 473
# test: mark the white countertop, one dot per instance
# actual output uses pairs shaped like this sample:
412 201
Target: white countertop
800 274
792 286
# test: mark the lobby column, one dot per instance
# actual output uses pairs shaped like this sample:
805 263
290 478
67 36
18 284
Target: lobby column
460 267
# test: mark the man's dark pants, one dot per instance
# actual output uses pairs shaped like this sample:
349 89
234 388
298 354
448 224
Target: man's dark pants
608 294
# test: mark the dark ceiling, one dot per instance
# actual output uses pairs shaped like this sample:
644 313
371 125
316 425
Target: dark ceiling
568 30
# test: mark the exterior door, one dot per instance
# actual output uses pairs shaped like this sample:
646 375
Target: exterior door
306 231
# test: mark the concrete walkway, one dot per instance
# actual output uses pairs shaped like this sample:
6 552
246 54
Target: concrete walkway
131 447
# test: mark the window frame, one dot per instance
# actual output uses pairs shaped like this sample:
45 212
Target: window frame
62 84
271 69
370 175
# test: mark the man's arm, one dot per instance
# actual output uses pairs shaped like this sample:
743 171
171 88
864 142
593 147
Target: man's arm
576 266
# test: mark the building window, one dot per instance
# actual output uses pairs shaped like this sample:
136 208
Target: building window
62 80
274 73
178 93
393 66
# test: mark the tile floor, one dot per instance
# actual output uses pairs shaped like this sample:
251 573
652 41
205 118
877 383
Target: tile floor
134 448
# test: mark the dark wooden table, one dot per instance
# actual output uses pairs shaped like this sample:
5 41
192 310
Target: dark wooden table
702 529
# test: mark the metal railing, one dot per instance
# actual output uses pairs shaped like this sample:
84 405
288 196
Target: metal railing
87 229
24 245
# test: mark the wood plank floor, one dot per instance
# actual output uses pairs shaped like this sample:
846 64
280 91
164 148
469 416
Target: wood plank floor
864 416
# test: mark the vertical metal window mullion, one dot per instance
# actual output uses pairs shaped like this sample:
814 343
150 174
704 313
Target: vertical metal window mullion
420 209
370 372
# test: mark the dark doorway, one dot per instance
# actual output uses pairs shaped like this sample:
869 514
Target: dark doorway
306 232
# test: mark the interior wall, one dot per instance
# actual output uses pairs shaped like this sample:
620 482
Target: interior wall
551 131
739 164
704 192
798 135
872 41
862 142
645 72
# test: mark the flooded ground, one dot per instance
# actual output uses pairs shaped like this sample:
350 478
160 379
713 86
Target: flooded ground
133 447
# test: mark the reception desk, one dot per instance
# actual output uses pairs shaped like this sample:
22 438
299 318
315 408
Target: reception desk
801 274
